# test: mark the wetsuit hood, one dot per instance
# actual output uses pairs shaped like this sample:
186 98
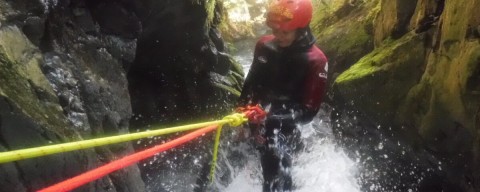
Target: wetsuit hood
303 42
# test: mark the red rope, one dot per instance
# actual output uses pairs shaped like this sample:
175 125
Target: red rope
99 172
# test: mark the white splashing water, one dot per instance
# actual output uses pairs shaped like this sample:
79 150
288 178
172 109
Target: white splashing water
47 4
321 167
249 179
325 168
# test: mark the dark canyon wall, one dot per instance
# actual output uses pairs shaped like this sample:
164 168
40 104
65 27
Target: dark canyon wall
75 69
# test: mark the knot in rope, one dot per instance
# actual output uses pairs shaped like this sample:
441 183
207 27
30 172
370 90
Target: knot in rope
254 113
235 119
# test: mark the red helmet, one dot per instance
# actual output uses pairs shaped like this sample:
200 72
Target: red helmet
289 14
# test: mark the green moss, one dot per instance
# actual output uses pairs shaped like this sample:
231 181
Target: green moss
375 8
442 101
237 81
348 36
380 81
17 89
232 82
228 89
373 62
324 10
237 67
343 36
5 10
24 85
210 8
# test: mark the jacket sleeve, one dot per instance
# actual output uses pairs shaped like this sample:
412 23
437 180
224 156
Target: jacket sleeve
252 78
314 89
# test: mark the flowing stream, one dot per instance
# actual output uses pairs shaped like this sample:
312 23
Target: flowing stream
321 167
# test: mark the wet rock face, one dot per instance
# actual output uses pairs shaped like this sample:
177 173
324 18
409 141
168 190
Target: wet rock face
343 41
181 74
417 81
180 58
26 175
63 74
476 157
63 79
89 49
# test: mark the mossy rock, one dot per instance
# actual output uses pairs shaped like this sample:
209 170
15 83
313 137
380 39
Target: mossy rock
23 83
343 37
345 33
379 82
445 101
3 9
232 82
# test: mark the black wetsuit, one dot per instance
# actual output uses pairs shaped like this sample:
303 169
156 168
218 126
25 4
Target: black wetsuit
289 83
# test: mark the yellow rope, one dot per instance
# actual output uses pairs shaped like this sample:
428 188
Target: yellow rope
215 154
236 120
233 120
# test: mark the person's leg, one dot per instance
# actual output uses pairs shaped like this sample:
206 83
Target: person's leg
287 142
276 170
286 174
270 166
282 137
276 164
270 157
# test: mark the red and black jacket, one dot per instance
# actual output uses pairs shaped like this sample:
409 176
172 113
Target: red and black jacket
286 80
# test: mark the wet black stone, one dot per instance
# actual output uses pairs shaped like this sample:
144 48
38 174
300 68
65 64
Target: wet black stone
34 28
36 173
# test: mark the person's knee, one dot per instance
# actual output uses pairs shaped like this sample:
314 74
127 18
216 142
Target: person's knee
270 164
287 161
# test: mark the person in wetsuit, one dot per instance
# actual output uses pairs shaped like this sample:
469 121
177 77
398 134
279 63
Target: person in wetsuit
287 78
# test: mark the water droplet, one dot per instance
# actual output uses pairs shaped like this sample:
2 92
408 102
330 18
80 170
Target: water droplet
380 146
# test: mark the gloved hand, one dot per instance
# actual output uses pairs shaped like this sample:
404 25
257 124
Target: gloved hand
256 120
